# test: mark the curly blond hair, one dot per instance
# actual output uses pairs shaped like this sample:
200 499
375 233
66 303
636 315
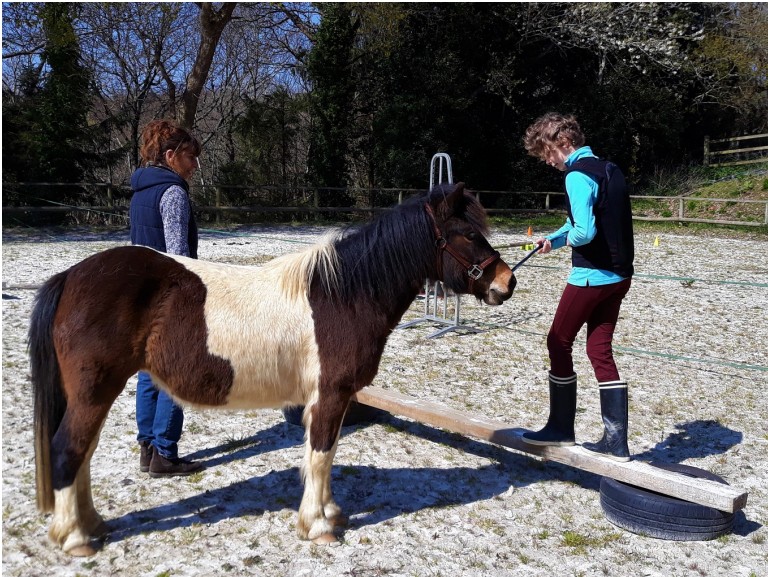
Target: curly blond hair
552 130
160 136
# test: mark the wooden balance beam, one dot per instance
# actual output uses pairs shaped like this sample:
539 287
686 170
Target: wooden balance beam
637 473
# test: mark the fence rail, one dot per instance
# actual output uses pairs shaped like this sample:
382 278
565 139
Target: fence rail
735 154
734 211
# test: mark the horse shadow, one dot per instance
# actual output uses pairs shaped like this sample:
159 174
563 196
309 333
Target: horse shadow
274 438
368 494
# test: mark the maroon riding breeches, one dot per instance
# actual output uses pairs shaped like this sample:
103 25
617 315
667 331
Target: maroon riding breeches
598 307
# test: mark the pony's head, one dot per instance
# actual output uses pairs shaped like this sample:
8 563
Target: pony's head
465 261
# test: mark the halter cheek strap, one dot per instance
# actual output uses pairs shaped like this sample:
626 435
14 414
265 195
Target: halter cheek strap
474 271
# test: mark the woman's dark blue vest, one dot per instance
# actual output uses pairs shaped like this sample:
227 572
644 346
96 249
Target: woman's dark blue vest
613 247
149 184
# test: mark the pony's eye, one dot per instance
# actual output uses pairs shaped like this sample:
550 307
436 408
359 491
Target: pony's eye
471 235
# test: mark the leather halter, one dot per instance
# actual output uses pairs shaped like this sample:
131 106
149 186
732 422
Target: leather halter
474 271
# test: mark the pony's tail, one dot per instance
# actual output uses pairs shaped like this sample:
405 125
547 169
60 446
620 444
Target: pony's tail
50 403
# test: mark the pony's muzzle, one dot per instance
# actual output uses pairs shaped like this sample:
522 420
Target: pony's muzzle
501 288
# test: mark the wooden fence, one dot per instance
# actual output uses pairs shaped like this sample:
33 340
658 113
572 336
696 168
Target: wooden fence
733 152
732 211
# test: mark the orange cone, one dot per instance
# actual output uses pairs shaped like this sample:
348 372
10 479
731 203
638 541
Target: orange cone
530 231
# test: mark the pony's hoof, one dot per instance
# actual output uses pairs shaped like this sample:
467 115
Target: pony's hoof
325 539
82 551
340 521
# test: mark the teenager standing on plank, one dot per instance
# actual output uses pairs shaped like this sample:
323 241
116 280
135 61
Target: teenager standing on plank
599 232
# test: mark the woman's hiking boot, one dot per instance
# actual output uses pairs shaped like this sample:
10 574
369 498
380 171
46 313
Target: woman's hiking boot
146 455
161 466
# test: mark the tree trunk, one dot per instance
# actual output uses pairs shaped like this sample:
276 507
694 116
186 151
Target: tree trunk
212 24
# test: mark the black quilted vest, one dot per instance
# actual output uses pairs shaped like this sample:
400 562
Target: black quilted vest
613 247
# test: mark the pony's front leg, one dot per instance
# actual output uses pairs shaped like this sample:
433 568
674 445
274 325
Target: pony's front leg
313 522
318 513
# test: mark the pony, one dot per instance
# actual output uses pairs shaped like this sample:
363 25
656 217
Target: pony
307 328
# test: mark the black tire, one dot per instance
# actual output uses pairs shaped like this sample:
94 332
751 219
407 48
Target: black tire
356 413
651 514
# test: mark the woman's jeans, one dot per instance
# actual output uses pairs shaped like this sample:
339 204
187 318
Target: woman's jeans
159 419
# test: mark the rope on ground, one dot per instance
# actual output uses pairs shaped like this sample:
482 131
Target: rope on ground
634 351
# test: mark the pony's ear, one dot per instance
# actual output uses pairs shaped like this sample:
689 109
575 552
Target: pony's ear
455 200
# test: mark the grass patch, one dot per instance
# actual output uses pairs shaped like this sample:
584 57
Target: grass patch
580 542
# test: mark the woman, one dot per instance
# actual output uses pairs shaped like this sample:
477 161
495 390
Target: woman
599 232
161 218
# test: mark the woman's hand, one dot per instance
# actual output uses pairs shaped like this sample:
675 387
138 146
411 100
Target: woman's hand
545 245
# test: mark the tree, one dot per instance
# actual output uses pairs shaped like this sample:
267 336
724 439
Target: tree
732 62
211 25
50 136
134 50
329 69
389 84
270 136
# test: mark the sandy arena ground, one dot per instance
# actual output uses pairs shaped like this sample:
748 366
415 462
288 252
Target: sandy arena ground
692 342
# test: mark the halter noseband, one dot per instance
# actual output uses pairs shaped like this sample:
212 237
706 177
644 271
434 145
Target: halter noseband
474 271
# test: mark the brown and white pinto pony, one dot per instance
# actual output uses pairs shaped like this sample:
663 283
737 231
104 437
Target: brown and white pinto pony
304 329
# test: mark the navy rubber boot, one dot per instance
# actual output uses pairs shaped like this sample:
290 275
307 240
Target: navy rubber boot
614 405
558 432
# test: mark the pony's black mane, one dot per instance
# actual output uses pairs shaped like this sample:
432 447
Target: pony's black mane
397 249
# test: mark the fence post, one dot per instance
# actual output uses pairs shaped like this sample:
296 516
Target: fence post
546 202
217 201
706 151
680 208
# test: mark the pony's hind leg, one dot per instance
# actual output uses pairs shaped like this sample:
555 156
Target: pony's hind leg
92 521
75 520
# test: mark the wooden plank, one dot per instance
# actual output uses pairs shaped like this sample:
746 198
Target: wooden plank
738 150
638 473
737 138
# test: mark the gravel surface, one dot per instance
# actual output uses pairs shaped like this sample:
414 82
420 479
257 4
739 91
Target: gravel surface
692 342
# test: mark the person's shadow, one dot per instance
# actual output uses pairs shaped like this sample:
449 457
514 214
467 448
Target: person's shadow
698 439
694 439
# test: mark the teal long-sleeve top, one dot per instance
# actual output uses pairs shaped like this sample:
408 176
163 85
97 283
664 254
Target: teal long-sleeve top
582 193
